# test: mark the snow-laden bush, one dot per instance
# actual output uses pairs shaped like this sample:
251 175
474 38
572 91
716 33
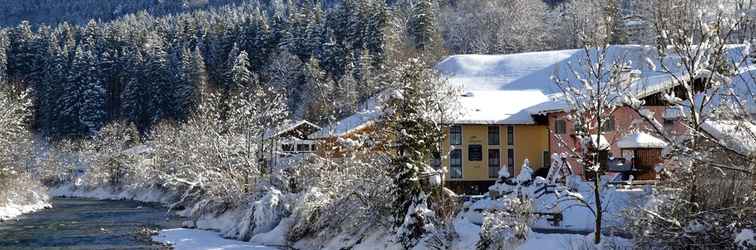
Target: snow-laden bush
507 226
343 197
17 187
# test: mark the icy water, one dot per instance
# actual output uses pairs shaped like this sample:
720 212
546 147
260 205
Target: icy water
87 224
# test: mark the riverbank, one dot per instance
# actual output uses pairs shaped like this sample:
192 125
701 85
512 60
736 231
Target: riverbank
17 202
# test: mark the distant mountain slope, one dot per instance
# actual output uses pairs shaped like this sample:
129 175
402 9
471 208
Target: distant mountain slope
12 12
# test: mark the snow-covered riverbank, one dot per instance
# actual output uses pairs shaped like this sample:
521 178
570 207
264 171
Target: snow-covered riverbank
18 204
195 239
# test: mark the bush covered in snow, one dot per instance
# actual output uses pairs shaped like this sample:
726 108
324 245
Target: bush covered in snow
17 187
508 226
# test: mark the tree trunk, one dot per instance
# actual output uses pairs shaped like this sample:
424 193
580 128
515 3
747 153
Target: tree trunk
596 192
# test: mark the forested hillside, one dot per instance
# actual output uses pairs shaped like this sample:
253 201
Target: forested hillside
51 12
325 56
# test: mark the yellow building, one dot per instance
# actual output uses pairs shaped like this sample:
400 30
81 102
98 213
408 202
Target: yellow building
494 131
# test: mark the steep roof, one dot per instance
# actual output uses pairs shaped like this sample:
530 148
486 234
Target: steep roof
303 125
369 111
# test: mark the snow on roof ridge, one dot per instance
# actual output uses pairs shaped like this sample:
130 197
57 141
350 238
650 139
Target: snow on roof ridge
641 140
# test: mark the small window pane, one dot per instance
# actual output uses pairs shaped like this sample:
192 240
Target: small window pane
608 124
455 135
494 163
546 159
560 127
455 164
493 135
510 161
510 135
287 147
303 147
474 152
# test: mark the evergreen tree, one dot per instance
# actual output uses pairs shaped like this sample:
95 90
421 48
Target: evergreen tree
188 93
3 57
136 98
317 93
412 121
376 31
71 99
240 74
424 26
92 112
157 75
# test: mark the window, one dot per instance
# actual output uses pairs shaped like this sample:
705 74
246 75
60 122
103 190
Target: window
474 152
546 159
669 123
608 124
493 135
510 135
510 161
455 135
560 127
494 163
455 164
287 147
303 147
314 147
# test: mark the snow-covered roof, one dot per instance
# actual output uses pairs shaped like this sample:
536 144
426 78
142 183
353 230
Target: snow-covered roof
271 133
368 113
736 135
741 90
641 140
534 70
499 107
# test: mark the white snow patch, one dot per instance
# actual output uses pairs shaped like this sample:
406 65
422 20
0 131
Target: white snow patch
746 238
192 239
641 140
14 208
499 107
130 192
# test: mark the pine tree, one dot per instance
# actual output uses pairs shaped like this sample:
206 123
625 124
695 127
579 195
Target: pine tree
92 112
157 73
317 93
136 100
240 74
375 31
412 122
424 26
188 93
71 99
4 43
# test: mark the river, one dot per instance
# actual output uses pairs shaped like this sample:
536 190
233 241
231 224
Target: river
74 223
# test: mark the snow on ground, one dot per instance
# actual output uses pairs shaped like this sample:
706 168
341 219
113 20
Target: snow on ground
17 204
537 241
12 210
131 192
193 239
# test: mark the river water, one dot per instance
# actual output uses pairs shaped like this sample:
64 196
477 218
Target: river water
75 223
